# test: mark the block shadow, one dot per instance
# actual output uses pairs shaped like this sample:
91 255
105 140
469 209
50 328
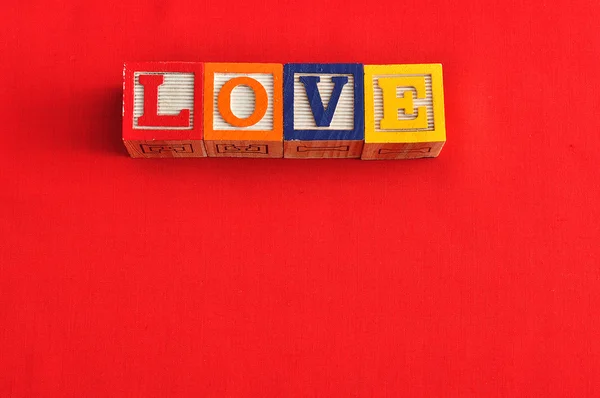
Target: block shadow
106 117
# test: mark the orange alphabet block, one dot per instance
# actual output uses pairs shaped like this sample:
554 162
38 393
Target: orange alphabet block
243 110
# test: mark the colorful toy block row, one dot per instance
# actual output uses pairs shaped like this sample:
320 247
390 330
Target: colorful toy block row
193 109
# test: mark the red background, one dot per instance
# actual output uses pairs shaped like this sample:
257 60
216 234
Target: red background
474 274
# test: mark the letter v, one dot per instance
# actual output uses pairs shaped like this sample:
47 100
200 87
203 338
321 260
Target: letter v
323 116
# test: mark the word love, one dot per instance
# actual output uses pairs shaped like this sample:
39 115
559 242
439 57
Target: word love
194 109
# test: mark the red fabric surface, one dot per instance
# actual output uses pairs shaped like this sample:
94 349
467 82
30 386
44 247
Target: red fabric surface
474 274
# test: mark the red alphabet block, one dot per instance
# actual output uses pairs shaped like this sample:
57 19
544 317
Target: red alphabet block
162 109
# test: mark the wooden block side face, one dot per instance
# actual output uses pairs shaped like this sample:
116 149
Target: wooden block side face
244 149
323 102
243 102
316 149
404 104
166 149
162 101
394 151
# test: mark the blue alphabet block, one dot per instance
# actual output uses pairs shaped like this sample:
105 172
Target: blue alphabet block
323 110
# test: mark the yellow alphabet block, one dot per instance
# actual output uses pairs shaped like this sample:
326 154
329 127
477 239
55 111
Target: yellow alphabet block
404 111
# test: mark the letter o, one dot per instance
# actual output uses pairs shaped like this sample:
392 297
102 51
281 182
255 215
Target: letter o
261 101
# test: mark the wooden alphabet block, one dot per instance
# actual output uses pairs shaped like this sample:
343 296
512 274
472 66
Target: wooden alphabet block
404 111
323 113
162 109
243 110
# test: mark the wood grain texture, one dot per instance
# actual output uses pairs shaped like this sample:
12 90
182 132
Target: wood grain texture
391 151
244 149
316 149
166 149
